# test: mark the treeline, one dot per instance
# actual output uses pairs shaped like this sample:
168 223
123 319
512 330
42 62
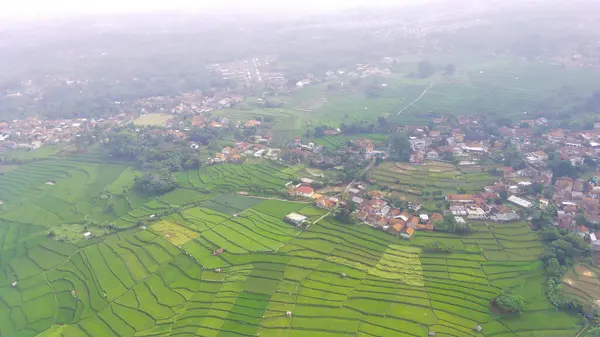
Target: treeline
158 154
563 249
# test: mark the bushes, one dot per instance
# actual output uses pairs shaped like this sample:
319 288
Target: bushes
158 182
509 302
560 300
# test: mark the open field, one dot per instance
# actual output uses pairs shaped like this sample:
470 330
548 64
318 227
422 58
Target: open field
335 142
152 119
583 282
490 86
172 279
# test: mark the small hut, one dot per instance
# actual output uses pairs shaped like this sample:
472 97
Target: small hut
14 284
343 275
478 328
218 252
431 334
288 314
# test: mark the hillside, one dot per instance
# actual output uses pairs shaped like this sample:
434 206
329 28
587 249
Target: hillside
272 279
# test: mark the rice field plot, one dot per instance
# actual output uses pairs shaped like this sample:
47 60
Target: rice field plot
335 142
278 209
230 204
229 178
334 279
432 177
250 230
174 233
23 180
204 216
182 197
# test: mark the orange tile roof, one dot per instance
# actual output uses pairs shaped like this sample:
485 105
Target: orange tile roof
436 217
460 197
398 227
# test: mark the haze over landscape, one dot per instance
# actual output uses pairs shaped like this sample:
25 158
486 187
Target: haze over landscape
300 168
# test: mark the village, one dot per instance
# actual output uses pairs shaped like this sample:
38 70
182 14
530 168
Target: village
521 154
527 193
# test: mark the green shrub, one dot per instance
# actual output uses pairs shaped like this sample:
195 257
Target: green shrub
509 302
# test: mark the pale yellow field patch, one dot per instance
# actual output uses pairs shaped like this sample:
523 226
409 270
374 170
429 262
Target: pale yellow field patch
174 233
400 263
152 119
397 263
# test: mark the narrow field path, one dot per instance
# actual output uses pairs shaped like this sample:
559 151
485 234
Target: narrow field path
416 100
321 218
278 199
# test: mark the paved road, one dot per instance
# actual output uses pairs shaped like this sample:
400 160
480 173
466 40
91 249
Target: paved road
416 100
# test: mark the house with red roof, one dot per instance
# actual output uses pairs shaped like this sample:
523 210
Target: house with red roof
304 191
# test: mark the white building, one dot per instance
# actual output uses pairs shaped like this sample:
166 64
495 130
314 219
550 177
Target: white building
475 213
519 201
295 219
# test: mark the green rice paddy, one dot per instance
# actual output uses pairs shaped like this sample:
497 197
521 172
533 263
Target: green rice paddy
271 279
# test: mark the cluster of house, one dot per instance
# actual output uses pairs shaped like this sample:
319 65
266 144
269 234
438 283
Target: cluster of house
242 150
31 133
442 141
377 213
573 197
445 142
299 151
481 206
571 145
575 60
193 102
373 210
252 73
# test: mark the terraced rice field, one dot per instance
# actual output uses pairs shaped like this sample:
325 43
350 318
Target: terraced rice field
433 176
367 282
271 278
335 142
428 183
256 178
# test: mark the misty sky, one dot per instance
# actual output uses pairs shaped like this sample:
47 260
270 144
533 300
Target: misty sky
32 9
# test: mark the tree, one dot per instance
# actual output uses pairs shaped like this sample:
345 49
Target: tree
426 69
503 195
553 267
436 247
157 182
448 225
110 206
381 121
344 214
509 302
462 228
594 332
319 131
400 149
537 188
562 168
449 69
